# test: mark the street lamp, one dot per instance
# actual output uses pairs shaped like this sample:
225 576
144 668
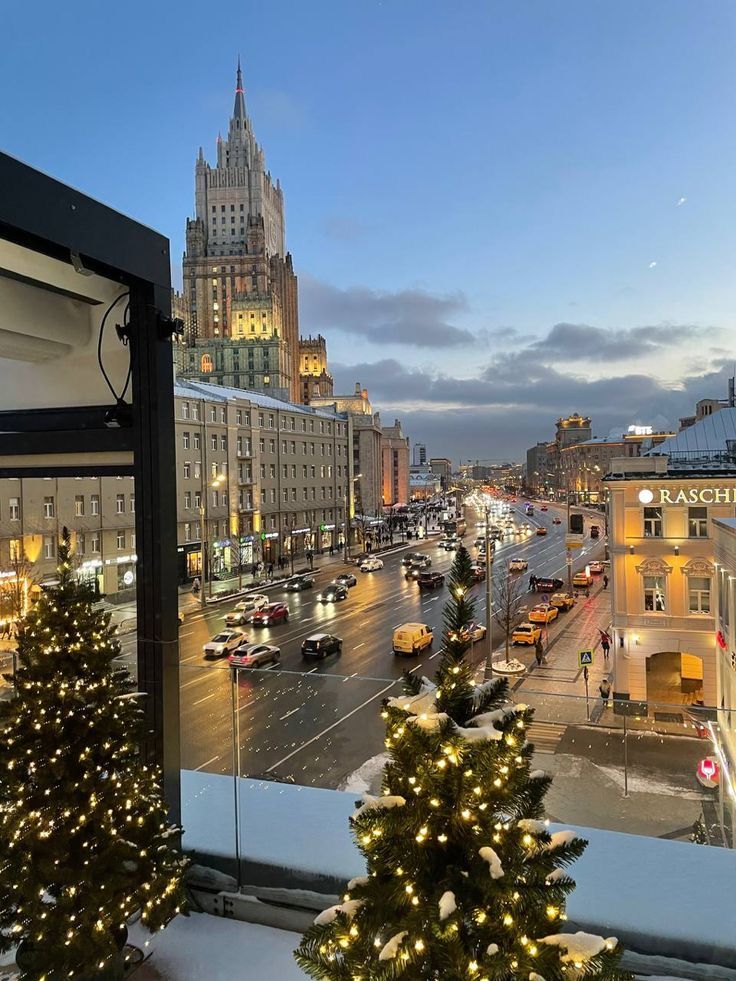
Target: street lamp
490 548
203 517
347 514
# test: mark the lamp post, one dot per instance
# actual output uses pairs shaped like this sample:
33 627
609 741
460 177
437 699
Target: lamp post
490 548
204 519
348 509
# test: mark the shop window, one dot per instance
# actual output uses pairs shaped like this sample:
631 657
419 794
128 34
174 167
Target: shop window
654 598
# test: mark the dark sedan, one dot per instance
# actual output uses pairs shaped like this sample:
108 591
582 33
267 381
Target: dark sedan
346 579
430 580
333 593
320 645
298 583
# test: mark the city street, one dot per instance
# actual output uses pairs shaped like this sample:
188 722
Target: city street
316 723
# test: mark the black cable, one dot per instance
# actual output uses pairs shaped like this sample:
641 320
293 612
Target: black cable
99 347
126 322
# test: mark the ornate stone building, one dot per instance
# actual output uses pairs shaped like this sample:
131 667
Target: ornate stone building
239 280
314 378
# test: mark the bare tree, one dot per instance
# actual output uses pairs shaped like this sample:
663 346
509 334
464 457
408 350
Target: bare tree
509 604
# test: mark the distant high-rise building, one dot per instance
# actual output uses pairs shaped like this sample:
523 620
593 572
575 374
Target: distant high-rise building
314 378
239 281
419 455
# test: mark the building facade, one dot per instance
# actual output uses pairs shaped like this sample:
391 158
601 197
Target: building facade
537 471
314 379
442 468
239 281
394 465
584 465
724 596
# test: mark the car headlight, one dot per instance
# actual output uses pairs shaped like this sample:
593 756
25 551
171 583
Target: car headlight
319 596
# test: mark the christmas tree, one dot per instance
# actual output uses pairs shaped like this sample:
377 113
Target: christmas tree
84 838
464 878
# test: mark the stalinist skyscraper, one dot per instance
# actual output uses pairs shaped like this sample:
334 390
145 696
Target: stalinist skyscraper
239 281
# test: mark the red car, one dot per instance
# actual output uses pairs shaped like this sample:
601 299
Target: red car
543 507
271 613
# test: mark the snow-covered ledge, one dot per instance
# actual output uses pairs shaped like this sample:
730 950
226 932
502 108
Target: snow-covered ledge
657 896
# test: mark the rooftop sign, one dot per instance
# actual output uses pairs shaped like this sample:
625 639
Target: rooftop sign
640 430
690 495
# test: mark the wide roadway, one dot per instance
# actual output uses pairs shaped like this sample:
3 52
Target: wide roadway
315 723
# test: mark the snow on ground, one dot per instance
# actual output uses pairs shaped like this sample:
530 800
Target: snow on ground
639 783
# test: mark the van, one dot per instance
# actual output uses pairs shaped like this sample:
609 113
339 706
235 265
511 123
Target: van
411 638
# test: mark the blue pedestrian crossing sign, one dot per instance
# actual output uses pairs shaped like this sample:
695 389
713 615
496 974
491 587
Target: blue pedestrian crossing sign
584 658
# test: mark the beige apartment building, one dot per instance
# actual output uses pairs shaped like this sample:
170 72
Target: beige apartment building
663 508
584 465
257 478
394 465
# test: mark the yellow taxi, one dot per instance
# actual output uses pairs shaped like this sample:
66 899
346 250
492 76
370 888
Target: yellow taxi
582 579
562 601
526 633
541 530
544 614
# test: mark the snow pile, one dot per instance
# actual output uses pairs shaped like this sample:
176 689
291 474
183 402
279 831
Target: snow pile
391 948
531 826
371 803
537 775
349 908
494 862
447 905
579 947
560 838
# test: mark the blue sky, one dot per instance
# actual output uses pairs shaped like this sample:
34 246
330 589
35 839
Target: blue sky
487 183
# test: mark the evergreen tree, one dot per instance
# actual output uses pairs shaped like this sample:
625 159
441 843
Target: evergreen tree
464 879
84 837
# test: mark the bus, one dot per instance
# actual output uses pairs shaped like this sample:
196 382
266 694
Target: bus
528 508
455 527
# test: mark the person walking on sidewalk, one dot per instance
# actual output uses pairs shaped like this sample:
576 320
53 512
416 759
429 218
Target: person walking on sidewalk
196 585
532 582
605 582
539 652
605 689
605 644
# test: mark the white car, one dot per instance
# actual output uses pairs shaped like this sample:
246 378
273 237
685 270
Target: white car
254 655
371 565
596 568
223 643
243 609
518 565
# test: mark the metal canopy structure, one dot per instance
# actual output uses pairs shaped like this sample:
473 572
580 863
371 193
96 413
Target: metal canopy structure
82 289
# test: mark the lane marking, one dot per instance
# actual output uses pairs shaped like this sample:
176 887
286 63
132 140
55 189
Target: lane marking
324 732
206 697
287 714
213 760
358 646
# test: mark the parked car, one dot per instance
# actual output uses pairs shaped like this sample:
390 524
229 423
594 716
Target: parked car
562 601
371 565
346 579
430 580
548 585
479 573
411 638
320 645
254 655
332 593
541 530
596 568
543 614
298 583
526 633
223 643
518 565
582 579
271 613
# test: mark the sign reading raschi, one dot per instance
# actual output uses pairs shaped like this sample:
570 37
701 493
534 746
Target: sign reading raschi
688 495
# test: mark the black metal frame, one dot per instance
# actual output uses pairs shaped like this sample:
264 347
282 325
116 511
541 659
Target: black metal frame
41 214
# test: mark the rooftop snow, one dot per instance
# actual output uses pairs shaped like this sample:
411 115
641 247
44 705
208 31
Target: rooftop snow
709 434
222 393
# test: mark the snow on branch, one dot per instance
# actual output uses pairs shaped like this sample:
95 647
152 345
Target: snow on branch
531 826
423 701
479 734
447 905
349 909
391 949
371 803
579 947
558 839
494 862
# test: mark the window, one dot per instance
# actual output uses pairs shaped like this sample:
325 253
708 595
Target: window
263 497
286 494
223 415
197 470
313 472
293 471
185 440
293 423
120 504
697 522
263 471
246 419
272 471
187 531
213 441
293 494
132 504
304 470
121 540
14 508
213 471
187 471
652 522
214 498
79 506
80 544
213 413
262 445
49 546
284 446
285 471
293 445
95 541
699 593
196 441
94 504
48 507
197 499
311 449
272 445
185 410
223 442
654 591
195 411
187 500
322 472
304 425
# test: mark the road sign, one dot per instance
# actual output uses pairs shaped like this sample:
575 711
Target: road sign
585 657
573 541
708 772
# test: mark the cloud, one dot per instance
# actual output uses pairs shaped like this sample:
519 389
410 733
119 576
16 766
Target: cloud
581 342
409 317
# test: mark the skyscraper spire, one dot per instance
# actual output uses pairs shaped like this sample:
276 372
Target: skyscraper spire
239 110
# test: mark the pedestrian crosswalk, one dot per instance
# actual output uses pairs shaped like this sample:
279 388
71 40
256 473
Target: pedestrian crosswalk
546 736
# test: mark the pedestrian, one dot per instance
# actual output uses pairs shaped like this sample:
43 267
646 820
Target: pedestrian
532 582
310 556
196 585
605 644
331 549
587 592
605 689
539 652
270 570
254 570
605 582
